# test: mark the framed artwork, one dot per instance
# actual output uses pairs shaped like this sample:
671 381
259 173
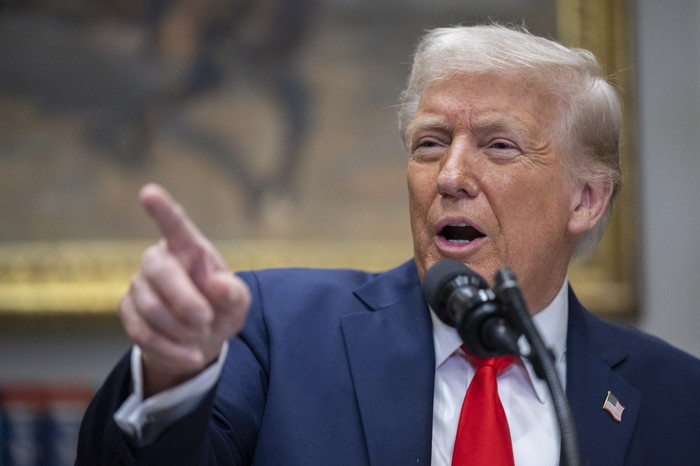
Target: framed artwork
273 123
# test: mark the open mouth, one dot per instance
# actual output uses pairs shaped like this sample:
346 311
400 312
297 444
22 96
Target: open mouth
460 233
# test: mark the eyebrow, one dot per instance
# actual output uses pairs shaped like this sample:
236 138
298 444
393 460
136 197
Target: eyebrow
488 121
426 122
496 121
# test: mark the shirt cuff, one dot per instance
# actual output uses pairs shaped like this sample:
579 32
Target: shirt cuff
143 420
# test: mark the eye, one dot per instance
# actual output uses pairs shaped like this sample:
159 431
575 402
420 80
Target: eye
427 143
428 148
502 149
502 144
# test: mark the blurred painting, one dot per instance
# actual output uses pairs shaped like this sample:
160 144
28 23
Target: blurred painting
265 118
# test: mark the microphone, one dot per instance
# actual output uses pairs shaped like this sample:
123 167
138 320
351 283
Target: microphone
485 318
462 299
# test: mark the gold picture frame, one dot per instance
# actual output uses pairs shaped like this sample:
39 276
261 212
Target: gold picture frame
607 282
87 277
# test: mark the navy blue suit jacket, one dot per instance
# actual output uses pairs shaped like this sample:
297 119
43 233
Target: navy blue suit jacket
337 367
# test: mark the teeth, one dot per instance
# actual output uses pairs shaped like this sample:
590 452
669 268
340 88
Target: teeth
461 241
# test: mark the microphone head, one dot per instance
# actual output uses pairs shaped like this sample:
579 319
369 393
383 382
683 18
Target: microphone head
462 299
442 279
436 280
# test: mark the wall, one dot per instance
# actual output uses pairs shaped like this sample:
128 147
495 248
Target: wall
668 63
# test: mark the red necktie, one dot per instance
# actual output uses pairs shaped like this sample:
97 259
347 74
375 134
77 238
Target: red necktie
483 437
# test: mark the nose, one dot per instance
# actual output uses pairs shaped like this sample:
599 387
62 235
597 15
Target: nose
457 176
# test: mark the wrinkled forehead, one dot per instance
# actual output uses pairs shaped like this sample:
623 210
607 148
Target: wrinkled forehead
489 100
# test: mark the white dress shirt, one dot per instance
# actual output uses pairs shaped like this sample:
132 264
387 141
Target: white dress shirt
525 398
143 419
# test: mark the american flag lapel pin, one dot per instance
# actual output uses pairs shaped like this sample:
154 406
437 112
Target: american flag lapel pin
613 406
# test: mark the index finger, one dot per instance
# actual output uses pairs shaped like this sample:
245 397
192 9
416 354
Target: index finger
180 233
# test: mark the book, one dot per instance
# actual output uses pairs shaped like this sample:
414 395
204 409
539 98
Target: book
39 423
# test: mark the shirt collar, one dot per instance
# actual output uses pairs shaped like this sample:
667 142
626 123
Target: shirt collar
551 323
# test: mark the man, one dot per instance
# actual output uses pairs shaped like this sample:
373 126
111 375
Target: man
513 162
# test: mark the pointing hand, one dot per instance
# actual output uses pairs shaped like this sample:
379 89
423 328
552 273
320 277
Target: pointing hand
183 303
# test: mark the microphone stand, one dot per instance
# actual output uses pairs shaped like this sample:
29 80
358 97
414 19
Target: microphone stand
507 289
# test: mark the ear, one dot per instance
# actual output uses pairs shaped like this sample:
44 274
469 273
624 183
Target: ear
591 199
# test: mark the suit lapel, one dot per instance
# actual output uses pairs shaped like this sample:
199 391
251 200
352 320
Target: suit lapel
392 363
592 355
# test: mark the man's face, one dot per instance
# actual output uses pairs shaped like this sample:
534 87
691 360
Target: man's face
486 186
